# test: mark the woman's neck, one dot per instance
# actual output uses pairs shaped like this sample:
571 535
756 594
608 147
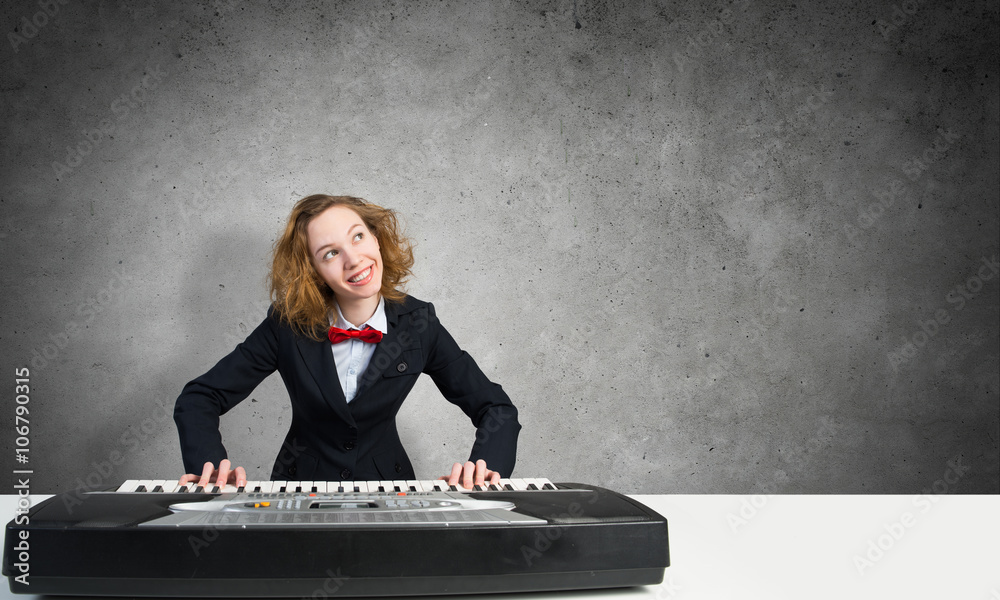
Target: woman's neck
358 311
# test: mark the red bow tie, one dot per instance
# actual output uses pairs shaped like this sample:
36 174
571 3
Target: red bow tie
368 334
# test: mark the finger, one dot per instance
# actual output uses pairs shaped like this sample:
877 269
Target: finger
223 477
241 477
467 473
480 475
456 474
494 478
187 478
206 474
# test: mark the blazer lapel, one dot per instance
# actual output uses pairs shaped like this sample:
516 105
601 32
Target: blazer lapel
389 340
318 358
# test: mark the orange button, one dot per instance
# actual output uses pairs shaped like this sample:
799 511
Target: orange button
312 494
265 504
400 493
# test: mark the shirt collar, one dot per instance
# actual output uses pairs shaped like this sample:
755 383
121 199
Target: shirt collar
377 320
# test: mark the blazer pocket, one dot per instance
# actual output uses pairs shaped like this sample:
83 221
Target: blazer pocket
302 468
408 362
393 465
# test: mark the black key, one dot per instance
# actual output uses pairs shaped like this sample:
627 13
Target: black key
548 486
257 489
477 488
452 488
158 488
199 490
141 488
313 489
508 487
381 488
240 489
532 486
340 489
494 488
215 489
298 488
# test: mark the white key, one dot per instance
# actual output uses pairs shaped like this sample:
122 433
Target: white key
164 484
146 484
128 486
321 487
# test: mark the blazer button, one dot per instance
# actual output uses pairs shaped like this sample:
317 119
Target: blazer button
401 367
292 470
345 475
399 468
349 445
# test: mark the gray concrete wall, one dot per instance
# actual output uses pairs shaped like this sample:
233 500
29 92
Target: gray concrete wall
706 247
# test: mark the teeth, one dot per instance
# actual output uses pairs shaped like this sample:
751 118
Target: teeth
360 276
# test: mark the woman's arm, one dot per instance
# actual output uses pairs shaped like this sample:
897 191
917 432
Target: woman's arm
463 383
230 381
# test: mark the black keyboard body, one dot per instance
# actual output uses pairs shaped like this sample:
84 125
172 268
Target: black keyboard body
95 543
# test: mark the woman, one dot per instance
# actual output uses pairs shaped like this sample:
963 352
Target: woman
343 261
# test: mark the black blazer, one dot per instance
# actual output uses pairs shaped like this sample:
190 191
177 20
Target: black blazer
330 439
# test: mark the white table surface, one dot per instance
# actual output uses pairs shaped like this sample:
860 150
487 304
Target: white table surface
797 547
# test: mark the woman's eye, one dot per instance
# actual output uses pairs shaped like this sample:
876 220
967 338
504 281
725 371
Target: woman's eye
330 254
358 236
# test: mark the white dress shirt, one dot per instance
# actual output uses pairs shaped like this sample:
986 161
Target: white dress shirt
352 356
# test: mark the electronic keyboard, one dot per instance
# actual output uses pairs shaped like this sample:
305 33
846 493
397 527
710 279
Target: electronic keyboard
320 539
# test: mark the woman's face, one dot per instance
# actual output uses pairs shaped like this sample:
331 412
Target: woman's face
345 254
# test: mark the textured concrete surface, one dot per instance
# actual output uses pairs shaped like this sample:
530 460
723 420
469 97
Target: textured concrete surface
739 247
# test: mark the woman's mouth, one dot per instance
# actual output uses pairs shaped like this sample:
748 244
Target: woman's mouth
363 277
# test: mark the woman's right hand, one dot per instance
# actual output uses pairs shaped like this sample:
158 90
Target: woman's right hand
222 476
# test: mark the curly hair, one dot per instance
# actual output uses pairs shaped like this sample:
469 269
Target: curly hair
300 297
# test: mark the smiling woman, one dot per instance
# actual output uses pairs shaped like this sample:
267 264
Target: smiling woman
349 344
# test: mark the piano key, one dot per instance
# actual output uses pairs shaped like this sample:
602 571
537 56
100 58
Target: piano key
128 486
360 487
162 485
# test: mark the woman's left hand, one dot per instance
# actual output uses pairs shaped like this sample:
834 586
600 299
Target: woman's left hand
468 475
